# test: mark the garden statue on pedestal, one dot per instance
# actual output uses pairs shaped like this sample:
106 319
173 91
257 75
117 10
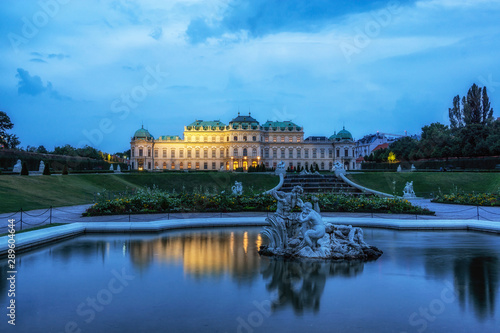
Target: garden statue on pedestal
408 190
338 168
412 169
118 168
305 235
237 188
399 168
111 167
280 168
18 167
41 167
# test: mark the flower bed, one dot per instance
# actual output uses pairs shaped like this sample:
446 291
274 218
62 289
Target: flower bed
476 199
157 201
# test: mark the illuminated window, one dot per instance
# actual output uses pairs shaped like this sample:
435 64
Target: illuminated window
197 153
172 166
164 153
214 153
172 153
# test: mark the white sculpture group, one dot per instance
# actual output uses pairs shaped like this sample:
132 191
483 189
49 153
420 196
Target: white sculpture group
304 234
237 188
17 167
408 190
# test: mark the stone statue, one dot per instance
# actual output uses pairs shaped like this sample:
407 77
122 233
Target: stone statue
305 235
399 168
118 168
18 167
111 167
338 168
41 167
304 172
413 168
237 188
408 190
280 168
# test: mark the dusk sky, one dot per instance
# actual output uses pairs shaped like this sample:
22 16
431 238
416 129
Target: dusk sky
91 72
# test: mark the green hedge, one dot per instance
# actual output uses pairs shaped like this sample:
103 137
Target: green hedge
483 163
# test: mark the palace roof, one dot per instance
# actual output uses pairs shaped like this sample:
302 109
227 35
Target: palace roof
282 125
198 124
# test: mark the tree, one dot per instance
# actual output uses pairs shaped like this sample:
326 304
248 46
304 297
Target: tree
392 157
475 109
41 150
9 141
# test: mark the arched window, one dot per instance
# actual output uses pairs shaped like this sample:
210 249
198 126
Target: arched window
245 151
181 166
254 152
164 165
172 166
245 138
235 152
322 165
235 138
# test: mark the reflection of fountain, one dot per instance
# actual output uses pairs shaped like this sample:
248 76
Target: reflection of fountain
305 234
301 283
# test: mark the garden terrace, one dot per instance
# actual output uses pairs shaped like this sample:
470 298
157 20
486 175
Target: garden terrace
319 183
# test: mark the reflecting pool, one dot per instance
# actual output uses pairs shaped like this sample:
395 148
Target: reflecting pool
213 280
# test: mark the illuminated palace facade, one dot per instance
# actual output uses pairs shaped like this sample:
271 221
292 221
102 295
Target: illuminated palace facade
213 145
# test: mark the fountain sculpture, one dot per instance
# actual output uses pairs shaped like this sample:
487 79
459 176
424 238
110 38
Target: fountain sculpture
305 235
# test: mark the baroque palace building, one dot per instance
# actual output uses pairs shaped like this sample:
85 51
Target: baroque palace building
213 145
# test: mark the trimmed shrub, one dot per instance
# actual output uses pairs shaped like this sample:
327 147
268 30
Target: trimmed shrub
65 169
24 170
46 170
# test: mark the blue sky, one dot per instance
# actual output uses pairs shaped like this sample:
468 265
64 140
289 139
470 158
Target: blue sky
91 72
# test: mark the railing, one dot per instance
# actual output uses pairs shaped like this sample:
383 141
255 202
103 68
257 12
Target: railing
30 219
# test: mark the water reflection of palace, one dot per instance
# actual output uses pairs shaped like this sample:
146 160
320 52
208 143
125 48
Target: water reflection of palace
203 253
300 284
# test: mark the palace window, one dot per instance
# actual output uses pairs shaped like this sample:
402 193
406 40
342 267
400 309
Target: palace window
197 153
132 151
172 153
189 154
221 165
164 153
322 165
282 139
235 152
181 153
245 153
266 153
275 153
149 153
164 165
189 165
290 153
213 165
267 139
322 153
222 152
298 153
306 153
181 166
197 165
149 165
274 138
205 153
254 152
330 166
290 139
140 152
205 138
172 166
156 152
298 139
245 138
338 152
214 152
315 155
205 166
235 138
346 152
330 153
254 138
282 153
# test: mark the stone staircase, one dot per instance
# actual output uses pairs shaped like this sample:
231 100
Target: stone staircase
319 183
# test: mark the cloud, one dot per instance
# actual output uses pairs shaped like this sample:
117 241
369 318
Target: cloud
156 33
38 60
33 86
263 17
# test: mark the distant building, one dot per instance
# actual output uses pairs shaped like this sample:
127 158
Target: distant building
213 145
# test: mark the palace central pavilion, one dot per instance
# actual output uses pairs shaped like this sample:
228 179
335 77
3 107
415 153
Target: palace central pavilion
213 145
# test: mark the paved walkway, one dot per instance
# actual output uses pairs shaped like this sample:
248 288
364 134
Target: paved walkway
73 214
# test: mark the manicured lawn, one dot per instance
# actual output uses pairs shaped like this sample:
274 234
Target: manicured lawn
425 183
34 192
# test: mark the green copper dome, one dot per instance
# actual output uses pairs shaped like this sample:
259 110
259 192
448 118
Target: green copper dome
142 133
342 135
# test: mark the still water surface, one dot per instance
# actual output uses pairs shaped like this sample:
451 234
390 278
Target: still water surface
214 281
